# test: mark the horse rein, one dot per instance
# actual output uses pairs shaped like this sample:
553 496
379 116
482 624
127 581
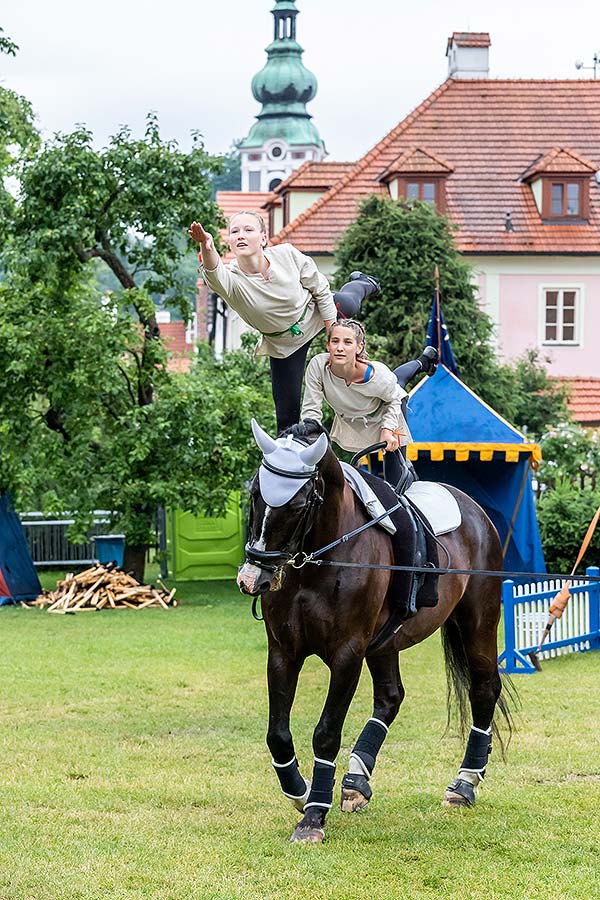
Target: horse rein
274 560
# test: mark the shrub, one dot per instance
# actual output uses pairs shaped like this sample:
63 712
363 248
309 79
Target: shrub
564 514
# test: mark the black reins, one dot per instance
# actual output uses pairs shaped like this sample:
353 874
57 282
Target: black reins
272 560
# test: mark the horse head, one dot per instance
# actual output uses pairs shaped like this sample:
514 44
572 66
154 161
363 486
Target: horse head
285 495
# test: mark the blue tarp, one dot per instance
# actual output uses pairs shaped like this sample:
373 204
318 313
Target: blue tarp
443 410
18 578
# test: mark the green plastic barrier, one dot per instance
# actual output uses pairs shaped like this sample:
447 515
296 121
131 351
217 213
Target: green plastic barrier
202 548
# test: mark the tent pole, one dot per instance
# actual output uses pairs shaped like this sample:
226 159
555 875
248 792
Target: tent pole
516 509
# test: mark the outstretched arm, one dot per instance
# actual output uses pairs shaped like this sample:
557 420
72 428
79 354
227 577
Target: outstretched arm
312 404
210 257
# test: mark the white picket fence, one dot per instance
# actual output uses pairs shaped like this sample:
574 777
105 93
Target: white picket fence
526 610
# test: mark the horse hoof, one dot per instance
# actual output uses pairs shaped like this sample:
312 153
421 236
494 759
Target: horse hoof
353 801
459 793
308 834
451 798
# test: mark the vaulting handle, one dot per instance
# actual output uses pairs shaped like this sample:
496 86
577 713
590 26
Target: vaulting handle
373 448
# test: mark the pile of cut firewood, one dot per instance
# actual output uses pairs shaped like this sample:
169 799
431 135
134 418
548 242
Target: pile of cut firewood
103 587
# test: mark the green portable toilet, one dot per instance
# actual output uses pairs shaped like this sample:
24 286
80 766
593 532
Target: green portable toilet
204 548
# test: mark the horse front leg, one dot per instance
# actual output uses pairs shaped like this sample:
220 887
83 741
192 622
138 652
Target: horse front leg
327 737
388 694
282 679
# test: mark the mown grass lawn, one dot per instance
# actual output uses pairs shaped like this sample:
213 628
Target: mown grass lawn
134 766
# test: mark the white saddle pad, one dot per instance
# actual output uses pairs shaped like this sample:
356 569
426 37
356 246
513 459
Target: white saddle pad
365 493
437 504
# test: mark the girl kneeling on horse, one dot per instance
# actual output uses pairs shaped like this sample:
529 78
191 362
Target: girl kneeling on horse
366 397
280 292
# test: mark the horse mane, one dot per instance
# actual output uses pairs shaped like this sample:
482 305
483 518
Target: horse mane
307 432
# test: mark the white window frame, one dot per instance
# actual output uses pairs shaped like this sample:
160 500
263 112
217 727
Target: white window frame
579 289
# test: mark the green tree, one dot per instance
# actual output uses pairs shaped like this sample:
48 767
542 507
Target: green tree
6 45
74 435
230 176
570 454
539 401
127 207
564 515
401 243
18 136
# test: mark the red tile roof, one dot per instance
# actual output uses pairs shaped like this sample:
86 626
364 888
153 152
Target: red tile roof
491 132
315 175
561 161
419 161
233 201
584 401
469 39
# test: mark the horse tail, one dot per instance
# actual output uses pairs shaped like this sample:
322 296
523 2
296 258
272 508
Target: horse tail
458 678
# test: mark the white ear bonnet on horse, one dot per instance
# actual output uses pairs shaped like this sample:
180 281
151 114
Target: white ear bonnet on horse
285 462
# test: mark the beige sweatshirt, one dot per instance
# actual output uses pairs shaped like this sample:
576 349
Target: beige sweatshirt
293 292
361 410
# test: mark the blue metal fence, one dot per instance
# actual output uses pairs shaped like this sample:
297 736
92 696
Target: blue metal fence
526 609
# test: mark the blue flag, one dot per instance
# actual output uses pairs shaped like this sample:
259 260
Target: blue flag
433 329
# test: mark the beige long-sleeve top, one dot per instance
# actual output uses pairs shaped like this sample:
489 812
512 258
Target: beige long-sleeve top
361 410
292 292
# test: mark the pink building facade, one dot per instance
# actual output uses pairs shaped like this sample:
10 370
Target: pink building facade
551 304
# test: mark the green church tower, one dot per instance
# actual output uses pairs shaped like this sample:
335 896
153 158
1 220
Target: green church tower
284 136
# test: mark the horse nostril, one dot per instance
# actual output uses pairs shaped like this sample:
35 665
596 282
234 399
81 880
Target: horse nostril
264 585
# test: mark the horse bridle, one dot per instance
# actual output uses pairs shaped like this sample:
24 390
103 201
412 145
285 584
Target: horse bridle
272 560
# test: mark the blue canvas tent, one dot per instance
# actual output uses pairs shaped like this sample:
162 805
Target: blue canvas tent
18 578
460 440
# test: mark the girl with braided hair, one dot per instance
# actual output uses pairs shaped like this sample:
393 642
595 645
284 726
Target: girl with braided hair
280 292
368 399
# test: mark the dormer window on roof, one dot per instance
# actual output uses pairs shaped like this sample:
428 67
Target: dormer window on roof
418 175
560 181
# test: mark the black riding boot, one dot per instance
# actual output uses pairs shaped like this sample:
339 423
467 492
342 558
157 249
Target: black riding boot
350 296
397 471
427 362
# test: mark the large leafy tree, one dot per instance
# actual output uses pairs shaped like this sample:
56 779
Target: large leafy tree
74 435
18 136
100 419
402 243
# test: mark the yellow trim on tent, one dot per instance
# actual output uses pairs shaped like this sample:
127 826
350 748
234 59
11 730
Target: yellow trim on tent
436 450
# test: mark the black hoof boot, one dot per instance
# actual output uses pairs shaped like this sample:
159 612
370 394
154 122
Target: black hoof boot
428 360
356 793
360 276
459 793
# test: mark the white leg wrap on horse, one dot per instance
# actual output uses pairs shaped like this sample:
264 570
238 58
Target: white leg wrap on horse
357 766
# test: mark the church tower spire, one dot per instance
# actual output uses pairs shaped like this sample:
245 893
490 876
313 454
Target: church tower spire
283 137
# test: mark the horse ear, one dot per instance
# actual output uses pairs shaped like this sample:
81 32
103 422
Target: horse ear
314 453
264 441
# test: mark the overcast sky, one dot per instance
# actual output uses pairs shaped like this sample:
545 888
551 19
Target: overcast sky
191 61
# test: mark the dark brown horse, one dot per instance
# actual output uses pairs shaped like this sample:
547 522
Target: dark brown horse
301 502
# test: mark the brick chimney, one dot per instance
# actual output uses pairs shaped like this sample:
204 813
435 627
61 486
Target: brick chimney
468 54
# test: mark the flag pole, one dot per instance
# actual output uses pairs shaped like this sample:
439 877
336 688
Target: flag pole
437 310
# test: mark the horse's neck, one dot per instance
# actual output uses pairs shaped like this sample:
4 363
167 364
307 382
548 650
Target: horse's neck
339 512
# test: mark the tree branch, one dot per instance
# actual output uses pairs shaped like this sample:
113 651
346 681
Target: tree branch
128 382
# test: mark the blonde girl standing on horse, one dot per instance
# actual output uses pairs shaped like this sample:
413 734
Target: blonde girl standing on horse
280 292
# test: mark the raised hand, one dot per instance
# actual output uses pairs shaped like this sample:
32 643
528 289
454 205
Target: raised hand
197 233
